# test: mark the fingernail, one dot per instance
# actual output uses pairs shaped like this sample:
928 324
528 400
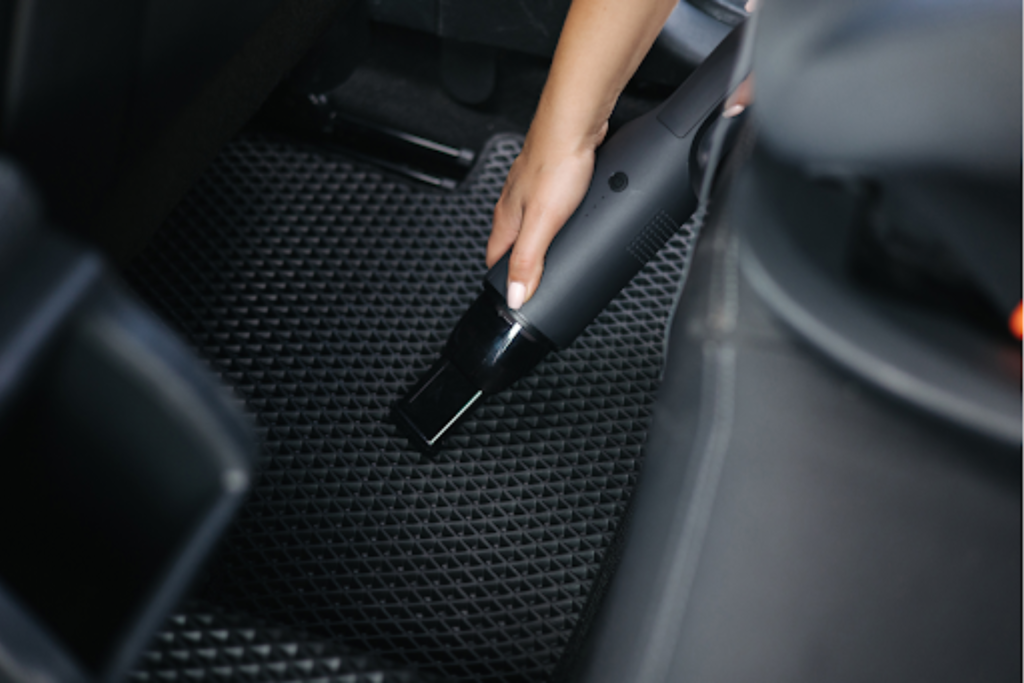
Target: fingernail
734 110
750 6
516 294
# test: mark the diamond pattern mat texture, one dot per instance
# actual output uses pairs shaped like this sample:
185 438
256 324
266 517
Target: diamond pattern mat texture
205 643
319 289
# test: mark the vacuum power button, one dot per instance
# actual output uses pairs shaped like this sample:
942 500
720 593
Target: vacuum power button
618 182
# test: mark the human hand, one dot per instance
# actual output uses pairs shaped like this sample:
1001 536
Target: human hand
546 184
601 45
544 187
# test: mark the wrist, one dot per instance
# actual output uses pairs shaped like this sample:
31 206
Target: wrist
567 129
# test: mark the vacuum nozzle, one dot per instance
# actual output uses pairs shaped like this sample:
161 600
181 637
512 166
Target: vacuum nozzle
490 348
435 404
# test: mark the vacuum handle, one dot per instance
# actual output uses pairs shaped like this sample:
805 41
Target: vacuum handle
639 197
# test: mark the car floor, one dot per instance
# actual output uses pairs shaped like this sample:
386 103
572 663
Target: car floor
319 286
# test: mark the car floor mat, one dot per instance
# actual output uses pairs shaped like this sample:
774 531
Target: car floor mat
203 642
320 288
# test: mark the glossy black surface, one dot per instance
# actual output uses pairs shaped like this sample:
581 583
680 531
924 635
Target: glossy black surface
490 348
494 346
434 405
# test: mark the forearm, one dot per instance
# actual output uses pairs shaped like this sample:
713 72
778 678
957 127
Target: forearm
601 46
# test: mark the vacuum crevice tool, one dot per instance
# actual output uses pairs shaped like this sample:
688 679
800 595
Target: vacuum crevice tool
490 348
435 404
642 192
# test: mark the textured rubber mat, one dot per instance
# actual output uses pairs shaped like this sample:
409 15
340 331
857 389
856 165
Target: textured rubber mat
320 289
205 643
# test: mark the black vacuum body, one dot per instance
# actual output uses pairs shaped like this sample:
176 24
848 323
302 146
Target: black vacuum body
645 187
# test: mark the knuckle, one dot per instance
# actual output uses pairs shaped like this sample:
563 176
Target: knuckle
520 262
502 209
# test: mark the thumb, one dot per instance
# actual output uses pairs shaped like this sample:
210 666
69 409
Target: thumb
740 99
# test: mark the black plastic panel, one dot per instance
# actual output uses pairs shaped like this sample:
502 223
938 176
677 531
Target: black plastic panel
926 357
321 289
794 525
121 461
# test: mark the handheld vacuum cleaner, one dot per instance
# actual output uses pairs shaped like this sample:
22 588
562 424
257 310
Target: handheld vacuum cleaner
645 187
